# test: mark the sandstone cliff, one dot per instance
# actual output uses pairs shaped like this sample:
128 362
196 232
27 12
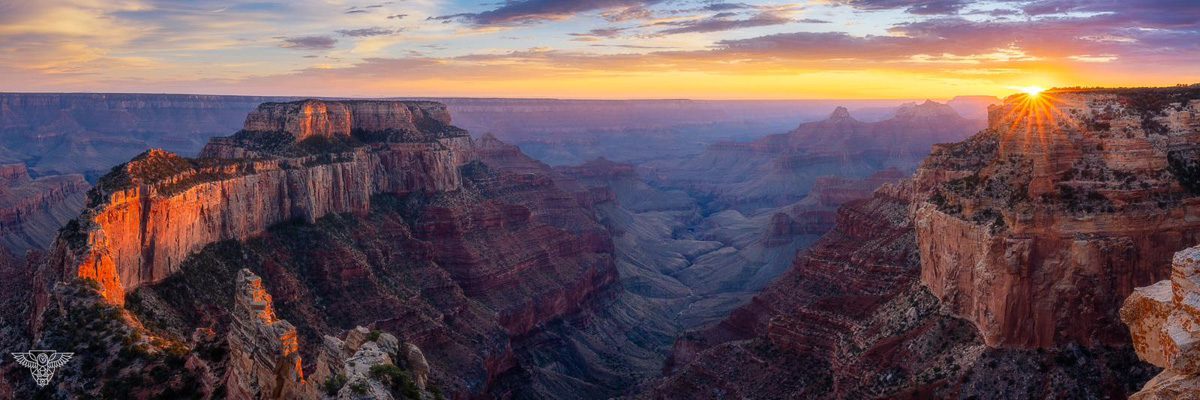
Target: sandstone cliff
997 271
149 214
413 230
264 351
1038 227
1164 321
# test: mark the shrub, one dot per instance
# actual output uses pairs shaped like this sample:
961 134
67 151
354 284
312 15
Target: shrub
334 384
396 379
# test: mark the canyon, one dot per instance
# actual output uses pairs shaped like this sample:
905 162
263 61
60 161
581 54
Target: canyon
999 269
775 170
343 248
355 213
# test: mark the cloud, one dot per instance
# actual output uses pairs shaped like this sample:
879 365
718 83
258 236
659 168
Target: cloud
533 11
726 6
919 7
308 43
1163 14
366 32
721 22
1103 58
397 16
362 9
597 34
627 14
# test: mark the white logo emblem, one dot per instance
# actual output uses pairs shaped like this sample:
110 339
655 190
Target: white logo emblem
42 363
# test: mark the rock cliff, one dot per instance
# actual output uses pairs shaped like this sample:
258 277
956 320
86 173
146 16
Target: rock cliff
1038 227
315 118
134 232
1164 322
264 351
459 250
996 271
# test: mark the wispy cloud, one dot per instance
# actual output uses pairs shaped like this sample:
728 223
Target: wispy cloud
308 43
919 7
722 22
532 11
366 32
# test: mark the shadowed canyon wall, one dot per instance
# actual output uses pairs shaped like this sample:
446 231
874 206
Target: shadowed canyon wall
997 271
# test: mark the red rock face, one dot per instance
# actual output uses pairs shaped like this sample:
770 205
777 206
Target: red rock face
315 118
852 320
1165 325
1013 240
264 350
1041 225
471 249
135 231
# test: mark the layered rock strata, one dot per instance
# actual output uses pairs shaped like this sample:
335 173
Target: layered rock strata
407 228
997 271
264 351
1037 228
1164 321
149 214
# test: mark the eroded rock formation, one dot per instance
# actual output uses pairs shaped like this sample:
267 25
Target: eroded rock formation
1038 227
414 231
134 231
1164 321
264 351
997 271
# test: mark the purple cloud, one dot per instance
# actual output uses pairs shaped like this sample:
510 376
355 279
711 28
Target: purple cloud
309 43
366 32
919 7
720 22
532 11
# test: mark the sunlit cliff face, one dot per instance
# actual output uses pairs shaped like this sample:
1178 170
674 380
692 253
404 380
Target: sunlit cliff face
1032 117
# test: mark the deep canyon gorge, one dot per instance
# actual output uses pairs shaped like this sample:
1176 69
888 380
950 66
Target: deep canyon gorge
270 247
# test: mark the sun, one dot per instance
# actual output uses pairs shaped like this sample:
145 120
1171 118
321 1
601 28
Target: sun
1033 91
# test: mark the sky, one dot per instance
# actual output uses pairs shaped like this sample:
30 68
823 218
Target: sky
606 49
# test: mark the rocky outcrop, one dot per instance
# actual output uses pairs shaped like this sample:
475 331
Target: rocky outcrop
32 210
997 271
1164 321
315 118
264 351
1037 228
459 250
851 319
131 233
371 365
